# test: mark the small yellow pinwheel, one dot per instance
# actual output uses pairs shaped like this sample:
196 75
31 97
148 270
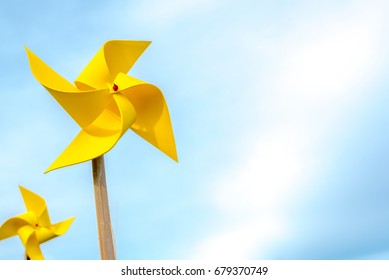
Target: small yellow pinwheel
33 227
105 102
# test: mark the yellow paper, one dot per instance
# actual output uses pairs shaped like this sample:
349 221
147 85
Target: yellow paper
33 227
105 102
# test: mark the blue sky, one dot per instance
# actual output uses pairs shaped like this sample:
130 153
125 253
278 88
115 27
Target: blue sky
279 110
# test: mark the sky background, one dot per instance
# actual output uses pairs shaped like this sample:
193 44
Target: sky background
279 110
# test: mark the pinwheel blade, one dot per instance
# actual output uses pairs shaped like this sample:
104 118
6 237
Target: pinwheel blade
10 227
152 115
36 204
83 148
100 137
30 242
33 249
82 106
114 57
61 227
46 75
96 103
34 226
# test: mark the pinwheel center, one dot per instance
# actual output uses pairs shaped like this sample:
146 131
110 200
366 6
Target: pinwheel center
36 225
115 87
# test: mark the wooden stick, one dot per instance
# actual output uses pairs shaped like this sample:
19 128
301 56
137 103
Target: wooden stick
107 249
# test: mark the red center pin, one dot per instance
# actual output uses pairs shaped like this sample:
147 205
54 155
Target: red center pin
115 87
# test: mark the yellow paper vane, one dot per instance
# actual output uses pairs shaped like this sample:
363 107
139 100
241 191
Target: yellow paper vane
106 102
33 227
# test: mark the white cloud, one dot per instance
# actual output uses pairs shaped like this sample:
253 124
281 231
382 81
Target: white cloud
239 241
316 76
256 195
276 164
332 60
164 13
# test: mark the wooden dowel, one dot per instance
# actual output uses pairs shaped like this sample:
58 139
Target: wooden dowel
107 249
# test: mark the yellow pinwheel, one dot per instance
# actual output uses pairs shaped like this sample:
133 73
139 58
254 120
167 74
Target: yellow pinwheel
105 102
33 227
